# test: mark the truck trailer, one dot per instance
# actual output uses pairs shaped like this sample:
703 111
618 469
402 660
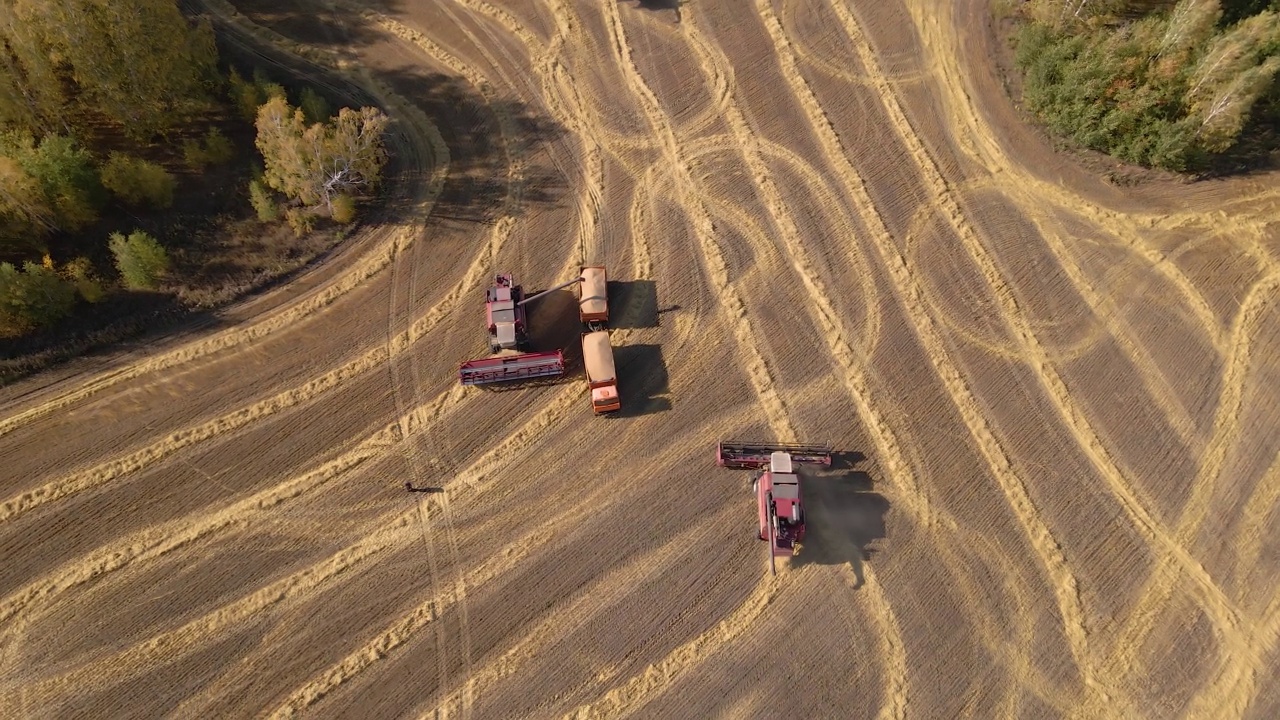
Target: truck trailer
593 302
602 379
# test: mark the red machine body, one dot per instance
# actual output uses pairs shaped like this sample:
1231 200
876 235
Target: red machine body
780 507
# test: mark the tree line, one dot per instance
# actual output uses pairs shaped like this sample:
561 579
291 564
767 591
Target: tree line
1163 83
149 80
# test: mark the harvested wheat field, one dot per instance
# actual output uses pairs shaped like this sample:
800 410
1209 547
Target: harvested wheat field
822 221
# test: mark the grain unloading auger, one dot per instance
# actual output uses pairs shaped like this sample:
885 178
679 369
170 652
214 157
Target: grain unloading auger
508 330
779 503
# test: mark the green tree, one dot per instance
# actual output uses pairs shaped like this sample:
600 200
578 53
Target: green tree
66 175
314 106
263 203
138 61
81 275
343 209
141 261
32 297
137 181
25 216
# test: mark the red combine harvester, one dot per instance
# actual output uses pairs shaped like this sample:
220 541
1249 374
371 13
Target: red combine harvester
508 337
780 505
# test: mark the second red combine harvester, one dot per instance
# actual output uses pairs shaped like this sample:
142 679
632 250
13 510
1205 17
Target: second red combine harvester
509 338
779 502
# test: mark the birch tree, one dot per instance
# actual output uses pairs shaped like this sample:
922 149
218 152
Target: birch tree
315 163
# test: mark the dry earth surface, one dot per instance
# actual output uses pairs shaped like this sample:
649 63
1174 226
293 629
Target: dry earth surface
827 222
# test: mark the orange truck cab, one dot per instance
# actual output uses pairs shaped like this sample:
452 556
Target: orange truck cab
597 357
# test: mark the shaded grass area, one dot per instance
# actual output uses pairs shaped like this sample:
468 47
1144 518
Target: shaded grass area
221 253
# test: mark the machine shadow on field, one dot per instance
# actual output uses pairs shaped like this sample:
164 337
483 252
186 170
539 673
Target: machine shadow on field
554 324
642 295
845 517
642 380
659 5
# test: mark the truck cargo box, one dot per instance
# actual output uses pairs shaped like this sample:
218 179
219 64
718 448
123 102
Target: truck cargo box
597 359
593 304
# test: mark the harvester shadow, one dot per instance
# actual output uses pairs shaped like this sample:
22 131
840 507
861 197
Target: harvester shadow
553 323
658 5
642 380
642 295
844 519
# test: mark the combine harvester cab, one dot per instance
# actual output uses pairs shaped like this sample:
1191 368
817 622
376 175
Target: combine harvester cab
602 380
512 368
593 303
505 315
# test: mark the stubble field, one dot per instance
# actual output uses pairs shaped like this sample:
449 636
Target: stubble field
825 222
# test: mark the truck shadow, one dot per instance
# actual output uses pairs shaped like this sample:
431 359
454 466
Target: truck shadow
844 519
642 380
635 298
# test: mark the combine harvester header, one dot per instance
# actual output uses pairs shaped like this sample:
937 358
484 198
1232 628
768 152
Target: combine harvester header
508 330
740 454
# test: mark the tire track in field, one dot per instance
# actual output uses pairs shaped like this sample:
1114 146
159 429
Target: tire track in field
478 477
393 528
379 257
1256 514
1239 654
621 701
1217 605
939 40
634 692
1061 352
502 232
1104 308
751 229
159 541
239 419
1163 394
1062 579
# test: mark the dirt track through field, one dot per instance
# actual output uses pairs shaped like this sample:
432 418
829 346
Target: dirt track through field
823 221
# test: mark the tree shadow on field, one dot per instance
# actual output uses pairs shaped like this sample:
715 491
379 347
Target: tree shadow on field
130 322
315 22
642 380
659 5
844 519
635 298
484 140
